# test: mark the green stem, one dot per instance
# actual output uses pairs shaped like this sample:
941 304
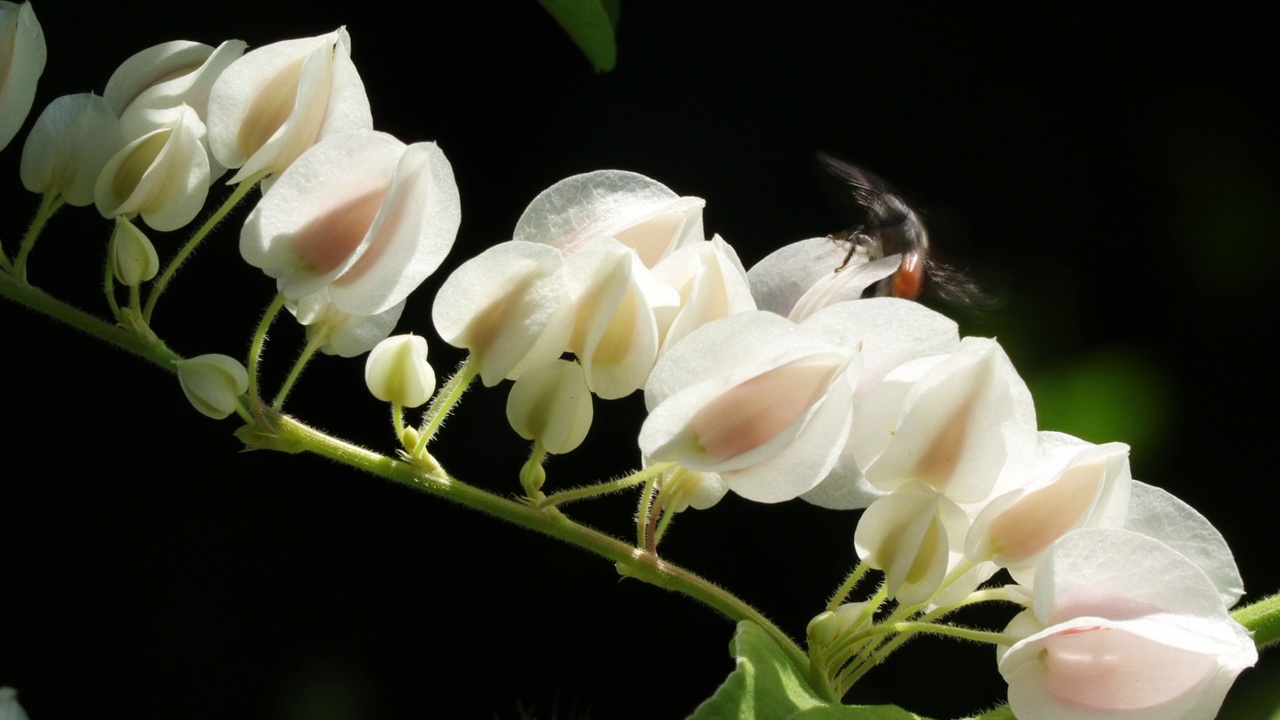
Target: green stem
397 420
151 349
1262 619
49 204
842 593
604 488
165 277
642 514
299 365
444 401
255 346
629 561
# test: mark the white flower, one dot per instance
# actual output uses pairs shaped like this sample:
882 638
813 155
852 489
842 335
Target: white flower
799 279
213 383
269 106
639 212
1122 626
360 214
509 306
163 175
711 283
1073 484
22 57
170 74
340 333
616 302
68 146
754 398
397 371
552 405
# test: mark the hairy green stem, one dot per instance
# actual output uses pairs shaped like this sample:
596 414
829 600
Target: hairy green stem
167 276
299 365
604 488
444 401
49 204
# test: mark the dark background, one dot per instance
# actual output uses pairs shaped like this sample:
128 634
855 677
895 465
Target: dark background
1112 180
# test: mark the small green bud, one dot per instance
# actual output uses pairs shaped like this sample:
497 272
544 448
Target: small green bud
133 257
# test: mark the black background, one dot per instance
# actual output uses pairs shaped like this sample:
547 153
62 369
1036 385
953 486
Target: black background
1112 179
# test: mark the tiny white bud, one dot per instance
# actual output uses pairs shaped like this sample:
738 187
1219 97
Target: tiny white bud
397 371
133 257
213 383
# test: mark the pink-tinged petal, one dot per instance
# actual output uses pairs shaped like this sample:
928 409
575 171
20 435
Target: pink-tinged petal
307 229
957 423
1073 484
509 306
22 58
68 147
272 104
714 405
890 332
343 334
413 231
641 213
1126 626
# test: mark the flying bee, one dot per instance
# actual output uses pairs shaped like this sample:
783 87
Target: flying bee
891 227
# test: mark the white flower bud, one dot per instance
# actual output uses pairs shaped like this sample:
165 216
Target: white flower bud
397 371
163 175
551 404
213 383
133 257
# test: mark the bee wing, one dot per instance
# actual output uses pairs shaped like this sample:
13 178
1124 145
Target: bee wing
869 190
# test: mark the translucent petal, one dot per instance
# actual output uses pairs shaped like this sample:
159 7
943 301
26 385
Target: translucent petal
162 176
68 147
642 213
711 283
799 279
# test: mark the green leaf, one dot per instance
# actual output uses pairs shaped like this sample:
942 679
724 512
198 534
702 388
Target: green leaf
767 686
590 24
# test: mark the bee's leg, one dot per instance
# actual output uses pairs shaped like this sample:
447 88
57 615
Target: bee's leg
855 238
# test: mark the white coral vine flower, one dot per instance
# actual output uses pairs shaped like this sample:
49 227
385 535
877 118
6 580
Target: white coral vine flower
799 279
1073 484
754 398
551 405
362 215
641 213
956 422
616 303
509 306
397 371
711 282
213 383
888 332
1122 626
163 175
273 103
340 333
68 146
916 536
22 58
170 74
